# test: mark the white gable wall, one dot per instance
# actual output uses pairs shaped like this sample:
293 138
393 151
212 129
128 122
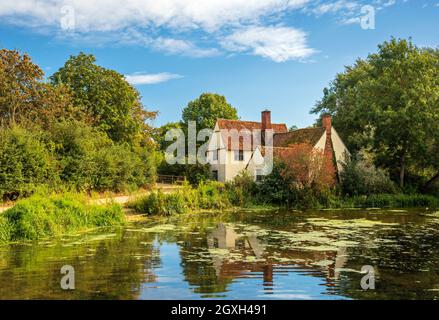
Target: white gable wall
320 145
216 143
340 149
226 165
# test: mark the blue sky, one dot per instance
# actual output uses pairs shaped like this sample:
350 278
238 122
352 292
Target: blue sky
260 54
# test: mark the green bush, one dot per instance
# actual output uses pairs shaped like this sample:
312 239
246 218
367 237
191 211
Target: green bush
25 163
76 148
40 216
361 177
242 189
194 173
212 195
89 160
118 168
275 188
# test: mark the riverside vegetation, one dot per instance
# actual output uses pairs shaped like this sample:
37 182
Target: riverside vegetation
85 130
42 216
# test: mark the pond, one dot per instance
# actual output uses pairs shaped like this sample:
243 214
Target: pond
237 255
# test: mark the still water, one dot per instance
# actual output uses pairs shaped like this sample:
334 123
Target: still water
241 255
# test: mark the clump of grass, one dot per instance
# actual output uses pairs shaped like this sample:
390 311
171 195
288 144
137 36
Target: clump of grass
46 216
158 203
5 230
208 195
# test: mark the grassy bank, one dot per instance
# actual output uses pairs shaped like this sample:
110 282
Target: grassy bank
217 196
388 201
46 216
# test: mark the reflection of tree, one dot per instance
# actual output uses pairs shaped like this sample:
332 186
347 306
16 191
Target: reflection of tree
406 262
216 251
111 268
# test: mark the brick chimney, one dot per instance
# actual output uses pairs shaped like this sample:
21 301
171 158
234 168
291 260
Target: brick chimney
329 148
266 120
327 123
266 125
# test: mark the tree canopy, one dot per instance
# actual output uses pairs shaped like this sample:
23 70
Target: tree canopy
206 109
107 96
85 129
25 97
388 103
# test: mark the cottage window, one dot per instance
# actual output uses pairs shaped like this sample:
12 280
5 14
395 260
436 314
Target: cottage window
239 155
259 175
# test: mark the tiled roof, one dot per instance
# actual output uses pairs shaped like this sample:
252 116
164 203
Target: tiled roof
250 125
309 135
245 129
278 152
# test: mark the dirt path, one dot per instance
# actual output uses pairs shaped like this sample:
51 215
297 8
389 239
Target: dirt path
165 188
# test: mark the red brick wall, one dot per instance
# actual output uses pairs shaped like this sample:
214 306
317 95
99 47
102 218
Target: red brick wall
329 149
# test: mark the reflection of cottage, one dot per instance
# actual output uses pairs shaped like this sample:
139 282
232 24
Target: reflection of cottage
239 145
225 238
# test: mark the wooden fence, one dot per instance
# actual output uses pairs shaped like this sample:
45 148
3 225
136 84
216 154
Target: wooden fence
169 179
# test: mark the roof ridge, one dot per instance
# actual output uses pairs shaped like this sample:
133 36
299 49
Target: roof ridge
249 121
275 147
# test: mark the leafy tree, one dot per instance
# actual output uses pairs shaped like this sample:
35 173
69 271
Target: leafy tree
206 109
113 103
292 128
19 84
389 103
194 173
307 168
159 134
276 187
25 162
25 99
361 177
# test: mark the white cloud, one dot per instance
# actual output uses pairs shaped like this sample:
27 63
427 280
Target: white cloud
345 11
276 43
110 15
161 25
185 47
197 28
145 78
334 7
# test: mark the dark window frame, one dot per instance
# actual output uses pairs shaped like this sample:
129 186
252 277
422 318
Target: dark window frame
239 155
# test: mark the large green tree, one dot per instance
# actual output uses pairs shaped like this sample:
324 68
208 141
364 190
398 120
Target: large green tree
389 103
25 98
105 94
206 109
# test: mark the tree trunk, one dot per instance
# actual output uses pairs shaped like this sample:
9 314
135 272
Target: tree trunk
430 183
402 171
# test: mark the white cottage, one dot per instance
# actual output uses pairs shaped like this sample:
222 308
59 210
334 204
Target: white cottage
237 145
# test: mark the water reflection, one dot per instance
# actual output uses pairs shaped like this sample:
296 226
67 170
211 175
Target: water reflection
246 255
